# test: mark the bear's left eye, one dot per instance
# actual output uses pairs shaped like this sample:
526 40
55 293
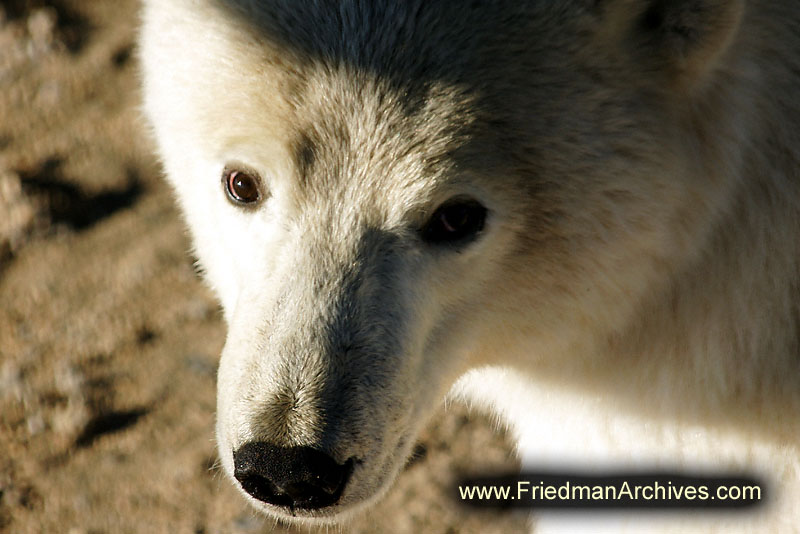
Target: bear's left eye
242 186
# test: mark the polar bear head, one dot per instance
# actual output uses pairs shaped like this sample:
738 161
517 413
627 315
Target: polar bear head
387 194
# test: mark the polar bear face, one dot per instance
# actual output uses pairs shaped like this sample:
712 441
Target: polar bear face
385 197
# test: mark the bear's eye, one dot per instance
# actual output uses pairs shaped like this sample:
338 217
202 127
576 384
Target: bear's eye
242 186
457 221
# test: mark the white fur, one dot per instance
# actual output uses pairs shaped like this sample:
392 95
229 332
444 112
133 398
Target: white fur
633 300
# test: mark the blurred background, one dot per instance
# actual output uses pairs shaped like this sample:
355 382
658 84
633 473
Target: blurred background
108 340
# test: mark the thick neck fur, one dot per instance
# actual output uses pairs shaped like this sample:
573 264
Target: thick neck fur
737 299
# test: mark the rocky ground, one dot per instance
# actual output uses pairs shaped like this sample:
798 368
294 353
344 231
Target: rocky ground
108 340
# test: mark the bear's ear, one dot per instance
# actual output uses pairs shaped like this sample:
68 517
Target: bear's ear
686 37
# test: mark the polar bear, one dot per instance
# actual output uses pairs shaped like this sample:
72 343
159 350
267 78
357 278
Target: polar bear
583 215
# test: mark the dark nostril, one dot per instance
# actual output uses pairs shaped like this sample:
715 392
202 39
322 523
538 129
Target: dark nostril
297 477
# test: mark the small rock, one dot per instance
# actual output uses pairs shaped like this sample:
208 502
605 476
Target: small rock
10 381
49 94
201 365
247 524
200 310
42 26
16 212
35 424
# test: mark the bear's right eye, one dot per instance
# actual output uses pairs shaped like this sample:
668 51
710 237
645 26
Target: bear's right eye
242 186
456 222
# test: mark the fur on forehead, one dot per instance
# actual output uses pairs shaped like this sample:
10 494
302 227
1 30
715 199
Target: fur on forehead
332 118
356 130
230 75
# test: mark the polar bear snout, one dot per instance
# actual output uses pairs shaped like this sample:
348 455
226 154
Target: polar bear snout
292 477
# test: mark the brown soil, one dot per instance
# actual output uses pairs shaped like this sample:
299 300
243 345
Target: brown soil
108 340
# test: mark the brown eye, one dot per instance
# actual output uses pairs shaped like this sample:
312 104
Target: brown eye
455 222
242 187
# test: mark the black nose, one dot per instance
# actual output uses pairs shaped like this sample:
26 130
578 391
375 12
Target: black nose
297 477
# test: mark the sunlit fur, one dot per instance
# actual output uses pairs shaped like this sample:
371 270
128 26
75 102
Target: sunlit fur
633 299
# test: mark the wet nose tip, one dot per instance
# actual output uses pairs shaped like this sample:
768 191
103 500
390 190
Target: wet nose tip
296 477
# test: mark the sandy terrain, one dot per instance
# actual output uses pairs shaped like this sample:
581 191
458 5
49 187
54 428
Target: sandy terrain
108 340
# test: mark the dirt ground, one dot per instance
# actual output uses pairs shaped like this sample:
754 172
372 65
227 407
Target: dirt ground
108 340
